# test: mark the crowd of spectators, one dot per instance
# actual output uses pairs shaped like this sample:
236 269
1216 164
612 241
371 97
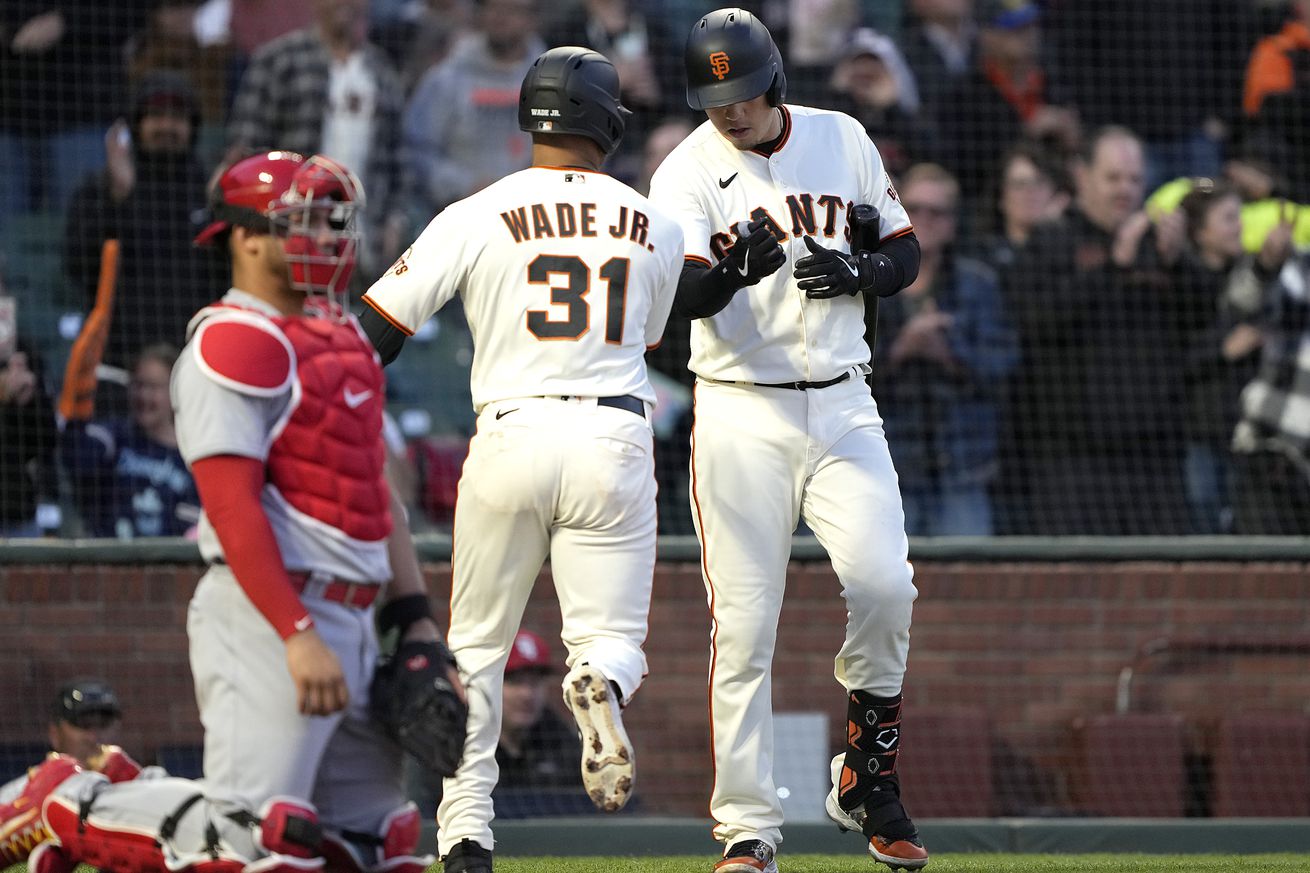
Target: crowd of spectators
1108 335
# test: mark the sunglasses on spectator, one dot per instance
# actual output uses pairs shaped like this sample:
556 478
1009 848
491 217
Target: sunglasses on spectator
929 210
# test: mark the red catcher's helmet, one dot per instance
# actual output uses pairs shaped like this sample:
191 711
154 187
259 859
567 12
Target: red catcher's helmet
247 190
311 203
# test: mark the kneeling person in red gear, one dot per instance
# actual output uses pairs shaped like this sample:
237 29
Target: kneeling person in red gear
67 816
278 399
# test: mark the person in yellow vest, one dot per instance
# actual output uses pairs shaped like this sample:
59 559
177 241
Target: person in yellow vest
1254 168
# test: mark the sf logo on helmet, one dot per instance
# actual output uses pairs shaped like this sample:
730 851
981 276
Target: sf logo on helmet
719 64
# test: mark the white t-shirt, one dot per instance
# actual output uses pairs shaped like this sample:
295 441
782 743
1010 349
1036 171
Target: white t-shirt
348 116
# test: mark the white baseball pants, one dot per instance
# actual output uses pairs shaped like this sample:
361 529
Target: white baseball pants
568 479
762 458
257 744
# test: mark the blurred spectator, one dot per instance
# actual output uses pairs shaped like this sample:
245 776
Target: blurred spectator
325 90
636 42
86 715
169 42
418 34
939 40
149 197
539 754
872 83
1277 89
1272 441
1221 293
943 350
84 723
1005 97
1030 189
1095 405
61 77
1256 167
253 24
28 484
1170 70
128 477
663 139
461 124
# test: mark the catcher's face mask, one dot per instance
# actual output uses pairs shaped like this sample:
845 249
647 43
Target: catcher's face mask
318 220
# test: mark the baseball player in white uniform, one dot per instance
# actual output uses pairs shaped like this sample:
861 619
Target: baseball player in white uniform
566 276
785 427
278 398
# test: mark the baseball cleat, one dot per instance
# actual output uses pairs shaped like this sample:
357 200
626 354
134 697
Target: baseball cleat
466 856
748 856
608 769
899 846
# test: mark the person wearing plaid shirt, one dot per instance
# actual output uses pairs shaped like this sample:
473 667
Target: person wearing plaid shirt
325 90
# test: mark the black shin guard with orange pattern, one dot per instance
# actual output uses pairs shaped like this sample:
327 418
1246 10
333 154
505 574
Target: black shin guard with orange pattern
873 739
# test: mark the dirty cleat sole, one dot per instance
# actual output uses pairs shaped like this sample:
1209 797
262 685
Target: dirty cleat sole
608 769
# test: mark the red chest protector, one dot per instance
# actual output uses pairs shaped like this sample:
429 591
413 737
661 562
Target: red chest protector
326 455
328 459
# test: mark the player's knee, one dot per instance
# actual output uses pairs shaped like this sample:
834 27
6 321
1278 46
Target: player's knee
879 585
393 850
289 827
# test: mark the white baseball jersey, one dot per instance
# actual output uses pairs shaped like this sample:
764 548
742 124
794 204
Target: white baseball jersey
549 265
824 165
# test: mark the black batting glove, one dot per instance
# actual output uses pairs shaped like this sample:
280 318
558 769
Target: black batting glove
755 255
829 273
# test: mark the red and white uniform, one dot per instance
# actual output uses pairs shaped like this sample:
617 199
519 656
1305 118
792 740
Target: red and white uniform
566 276
765 458
303 395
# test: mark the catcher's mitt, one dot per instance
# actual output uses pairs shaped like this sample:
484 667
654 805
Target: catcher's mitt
413 699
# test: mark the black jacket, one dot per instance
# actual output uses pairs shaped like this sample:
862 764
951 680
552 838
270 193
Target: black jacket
1101 361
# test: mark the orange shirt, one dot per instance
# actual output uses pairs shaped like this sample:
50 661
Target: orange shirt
1270 69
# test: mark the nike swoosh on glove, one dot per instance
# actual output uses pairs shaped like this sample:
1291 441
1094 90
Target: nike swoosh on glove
756 253
829 273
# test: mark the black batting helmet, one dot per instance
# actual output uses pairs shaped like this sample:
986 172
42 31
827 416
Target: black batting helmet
571 89
731 58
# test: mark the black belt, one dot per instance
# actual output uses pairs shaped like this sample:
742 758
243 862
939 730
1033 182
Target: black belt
635 405
626 402
801 386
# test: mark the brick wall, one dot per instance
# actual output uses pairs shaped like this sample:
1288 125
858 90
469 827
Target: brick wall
1029 650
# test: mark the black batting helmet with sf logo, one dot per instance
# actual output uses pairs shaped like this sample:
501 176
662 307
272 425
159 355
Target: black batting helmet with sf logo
731 57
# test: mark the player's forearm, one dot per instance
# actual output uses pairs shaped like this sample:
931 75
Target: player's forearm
704 291
229 489
898 265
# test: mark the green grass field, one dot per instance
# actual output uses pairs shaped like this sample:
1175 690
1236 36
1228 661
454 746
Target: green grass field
956 863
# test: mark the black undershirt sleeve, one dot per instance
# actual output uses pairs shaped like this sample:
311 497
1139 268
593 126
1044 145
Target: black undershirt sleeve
386 337
900 267
704 291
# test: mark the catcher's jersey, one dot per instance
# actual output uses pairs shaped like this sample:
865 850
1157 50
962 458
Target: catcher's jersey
214 416
566 277
824 165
